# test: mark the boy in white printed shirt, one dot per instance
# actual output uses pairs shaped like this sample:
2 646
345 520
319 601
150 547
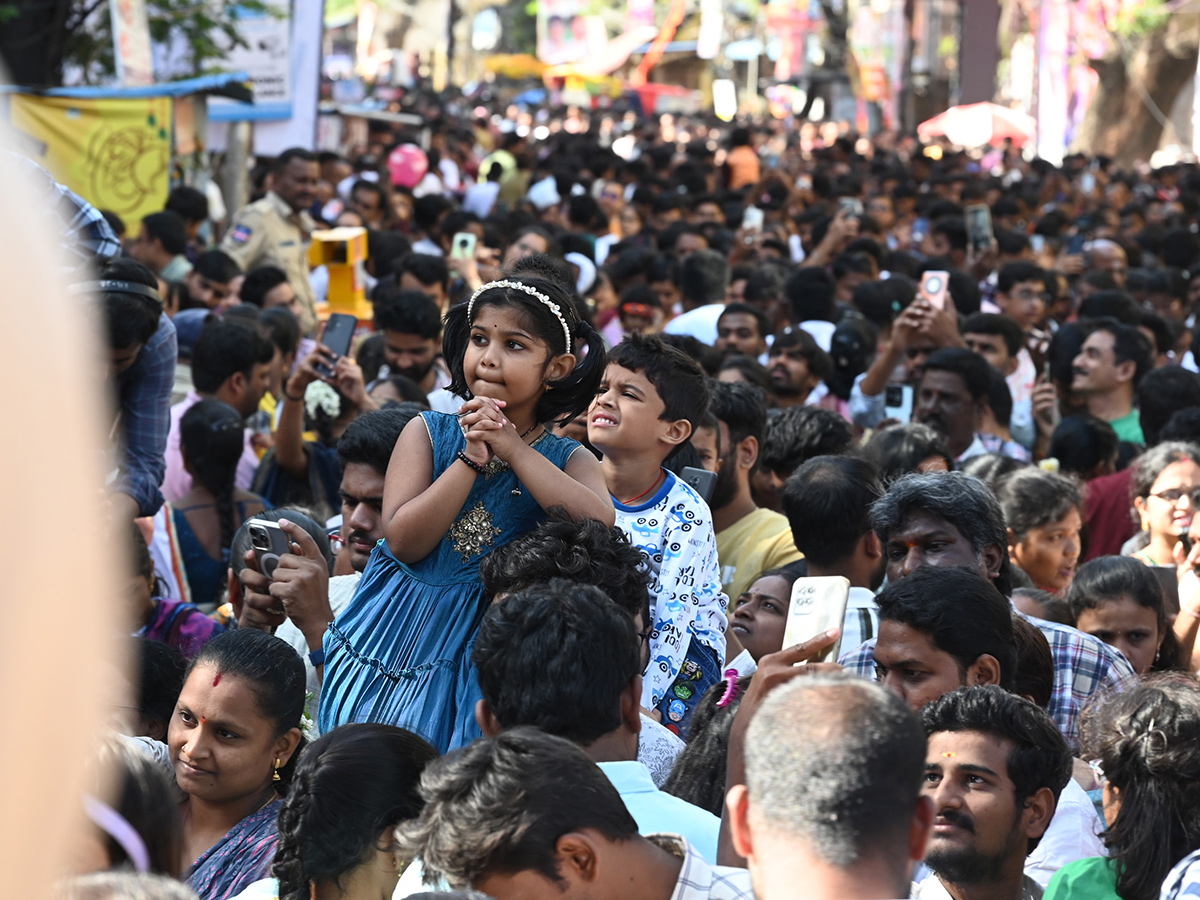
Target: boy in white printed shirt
649 402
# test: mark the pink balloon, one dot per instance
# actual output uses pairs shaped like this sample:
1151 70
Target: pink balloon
407 165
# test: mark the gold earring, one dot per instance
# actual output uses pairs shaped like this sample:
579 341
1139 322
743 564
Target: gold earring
275 774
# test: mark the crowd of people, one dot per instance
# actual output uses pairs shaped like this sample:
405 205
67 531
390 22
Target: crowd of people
495 603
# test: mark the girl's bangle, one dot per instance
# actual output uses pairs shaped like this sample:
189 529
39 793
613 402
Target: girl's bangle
299 399
470 462
1194 613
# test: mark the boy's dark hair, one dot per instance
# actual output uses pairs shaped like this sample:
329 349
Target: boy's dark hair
968 365
428 211
408 312
188 203
259 282
498 806
218 266
584 552
827 502
959 611
169 229
953 228
225 348
1039 757
1013 273
998 325
573 651
811 293
746 309
371 438
800 433
678 379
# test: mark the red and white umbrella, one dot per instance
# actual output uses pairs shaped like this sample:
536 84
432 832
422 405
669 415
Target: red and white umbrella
979 124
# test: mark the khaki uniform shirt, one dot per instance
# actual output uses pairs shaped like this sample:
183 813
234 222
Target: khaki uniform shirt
269 233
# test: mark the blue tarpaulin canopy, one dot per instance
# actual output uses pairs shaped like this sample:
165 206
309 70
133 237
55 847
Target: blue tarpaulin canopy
235 85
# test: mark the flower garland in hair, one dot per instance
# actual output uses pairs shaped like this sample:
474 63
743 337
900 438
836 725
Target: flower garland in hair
532 292
320 397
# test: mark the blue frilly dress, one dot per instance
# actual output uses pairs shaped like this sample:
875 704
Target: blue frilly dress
400 652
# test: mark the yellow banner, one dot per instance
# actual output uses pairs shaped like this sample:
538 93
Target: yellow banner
116 154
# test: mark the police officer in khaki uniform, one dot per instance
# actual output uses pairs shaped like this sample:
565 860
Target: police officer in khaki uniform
276 230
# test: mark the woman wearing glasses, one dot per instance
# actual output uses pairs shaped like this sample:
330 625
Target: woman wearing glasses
1166 484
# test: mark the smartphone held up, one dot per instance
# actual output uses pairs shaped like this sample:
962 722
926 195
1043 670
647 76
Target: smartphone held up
338 335
818 604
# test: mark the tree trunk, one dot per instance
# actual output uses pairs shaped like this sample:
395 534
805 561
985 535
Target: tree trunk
1120 122
1107 104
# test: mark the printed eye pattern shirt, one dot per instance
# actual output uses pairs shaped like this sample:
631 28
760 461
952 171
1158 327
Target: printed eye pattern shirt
674 530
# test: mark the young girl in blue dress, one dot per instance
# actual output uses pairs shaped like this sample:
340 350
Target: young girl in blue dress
456 488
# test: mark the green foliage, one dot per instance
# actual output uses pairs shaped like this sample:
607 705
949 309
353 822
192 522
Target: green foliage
1139 18
207 27
8 12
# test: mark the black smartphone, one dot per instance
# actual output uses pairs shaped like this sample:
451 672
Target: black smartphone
701 481
1075 244
339 332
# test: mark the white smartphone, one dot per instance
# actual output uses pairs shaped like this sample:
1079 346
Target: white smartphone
752 219
462 245
818 604
898 403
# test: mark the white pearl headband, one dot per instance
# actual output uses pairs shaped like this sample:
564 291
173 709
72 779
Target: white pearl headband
532 292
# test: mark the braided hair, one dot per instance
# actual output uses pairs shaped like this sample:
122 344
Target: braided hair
211 437
354 783
1147 740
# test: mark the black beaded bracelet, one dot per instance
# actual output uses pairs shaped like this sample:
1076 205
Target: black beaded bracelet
470 462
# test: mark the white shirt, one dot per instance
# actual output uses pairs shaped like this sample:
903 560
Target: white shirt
700 323
1074 833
